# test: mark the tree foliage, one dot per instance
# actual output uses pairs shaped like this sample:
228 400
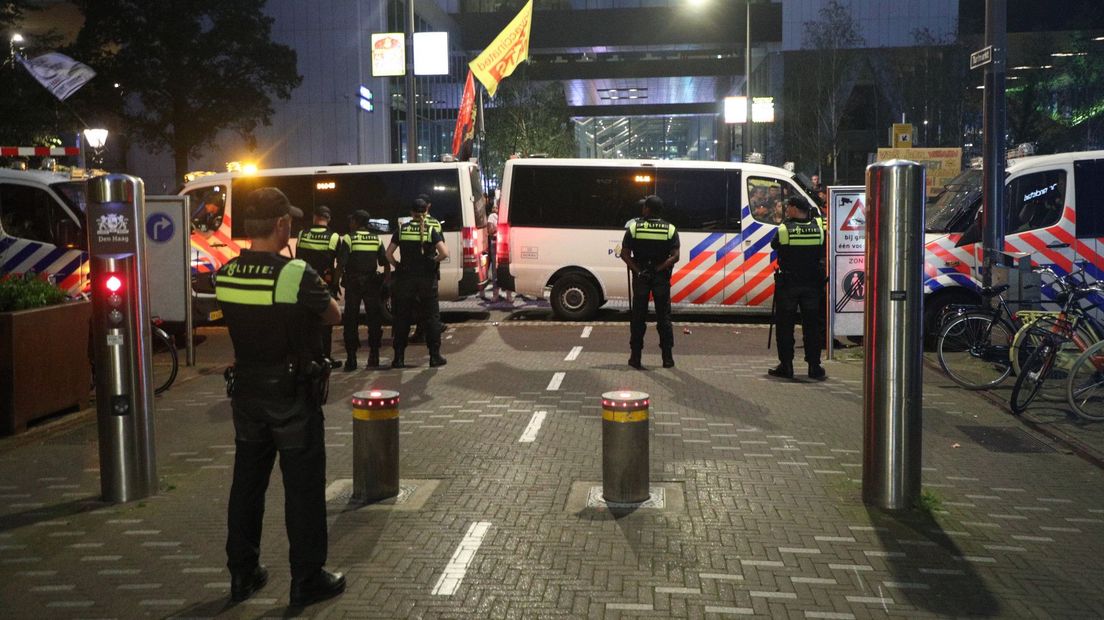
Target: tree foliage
177 73
526 118
820 83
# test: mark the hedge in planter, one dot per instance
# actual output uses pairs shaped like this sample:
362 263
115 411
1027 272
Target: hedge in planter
44 365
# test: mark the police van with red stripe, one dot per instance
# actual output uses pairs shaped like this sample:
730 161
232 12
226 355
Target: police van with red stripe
42 227
386 191
561 223
1054 206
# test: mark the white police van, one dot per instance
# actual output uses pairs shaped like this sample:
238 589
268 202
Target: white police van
42 227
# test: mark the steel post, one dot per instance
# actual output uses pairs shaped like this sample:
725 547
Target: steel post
625 461
892 375
375 445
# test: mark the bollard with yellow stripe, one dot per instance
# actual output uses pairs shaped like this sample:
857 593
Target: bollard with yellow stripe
375 445
625 459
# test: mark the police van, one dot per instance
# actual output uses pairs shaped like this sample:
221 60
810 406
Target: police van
386 191
561 222
1054 206
42 226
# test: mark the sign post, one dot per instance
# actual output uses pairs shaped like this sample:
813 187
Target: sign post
167 262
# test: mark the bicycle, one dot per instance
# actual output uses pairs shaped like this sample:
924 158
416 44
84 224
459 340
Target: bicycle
975 345
1085 386
1053 335
165 362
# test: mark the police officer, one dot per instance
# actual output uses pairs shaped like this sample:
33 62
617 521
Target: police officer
650 248
798 283
363 284
320 247
421 248
274 308
419 321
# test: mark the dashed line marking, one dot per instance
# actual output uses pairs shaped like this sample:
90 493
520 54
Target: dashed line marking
574 354
531 431
554 384
586 332
454 572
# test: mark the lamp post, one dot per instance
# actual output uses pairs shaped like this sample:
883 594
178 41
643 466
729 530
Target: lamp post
411 112
15 44
747 79
95 139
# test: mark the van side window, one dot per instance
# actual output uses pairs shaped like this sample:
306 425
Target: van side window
1088 181
208 207
29 212
1036 200
693 199
765 200
577 197
477 198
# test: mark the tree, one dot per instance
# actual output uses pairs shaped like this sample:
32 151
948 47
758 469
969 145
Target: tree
526 117
821 83
177 73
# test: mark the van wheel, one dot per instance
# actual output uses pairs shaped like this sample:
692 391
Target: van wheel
574 298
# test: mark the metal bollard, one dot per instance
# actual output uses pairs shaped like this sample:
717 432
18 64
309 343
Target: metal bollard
375 445
893 364
625 463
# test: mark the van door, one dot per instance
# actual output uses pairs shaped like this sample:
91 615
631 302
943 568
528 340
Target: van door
695 201
1088 184
39 234
762 214
211 240
1038 221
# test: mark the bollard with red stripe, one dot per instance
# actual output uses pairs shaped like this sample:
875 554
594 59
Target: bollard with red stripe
625 459
375 445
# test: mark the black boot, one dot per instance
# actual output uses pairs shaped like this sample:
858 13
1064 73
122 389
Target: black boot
435 358
397 360
351 363
243 585
319 587
668 359
816 371
373 358
634 360
783 371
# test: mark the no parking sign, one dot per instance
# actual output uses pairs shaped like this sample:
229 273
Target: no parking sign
847 259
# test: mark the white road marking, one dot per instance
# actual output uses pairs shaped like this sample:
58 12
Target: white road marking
586 332
554 384
531 431
574 354
337 487
457 567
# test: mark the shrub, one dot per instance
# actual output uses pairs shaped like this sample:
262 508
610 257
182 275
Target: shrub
27 291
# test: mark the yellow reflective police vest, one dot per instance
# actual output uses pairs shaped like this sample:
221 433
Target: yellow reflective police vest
651 230
259 285
319 239
797 233
414 231
363 241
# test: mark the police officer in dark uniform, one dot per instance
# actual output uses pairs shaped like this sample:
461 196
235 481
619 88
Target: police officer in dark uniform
798 284
650 248
320 247
275 308
421 248
419 321
363 284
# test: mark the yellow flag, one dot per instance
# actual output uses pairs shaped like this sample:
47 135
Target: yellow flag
506 52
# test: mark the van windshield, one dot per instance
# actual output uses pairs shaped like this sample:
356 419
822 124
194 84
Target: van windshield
72 192
955 207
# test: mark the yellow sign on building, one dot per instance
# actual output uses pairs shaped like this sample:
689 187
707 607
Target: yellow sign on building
900 136
940 164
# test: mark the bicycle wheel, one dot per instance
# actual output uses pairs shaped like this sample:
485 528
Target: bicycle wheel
165 363
1032 376
973 350
1085 387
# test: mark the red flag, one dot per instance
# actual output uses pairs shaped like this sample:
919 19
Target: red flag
465 117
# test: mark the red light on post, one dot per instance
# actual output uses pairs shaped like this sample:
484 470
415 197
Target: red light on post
113 283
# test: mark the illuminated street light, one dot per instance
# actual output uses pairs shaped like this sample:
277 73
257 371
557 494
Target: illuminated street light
95 139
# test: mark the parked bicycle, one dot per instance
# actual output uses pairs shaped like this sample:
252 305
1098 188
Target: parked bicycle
1053 339
165 361
1085 387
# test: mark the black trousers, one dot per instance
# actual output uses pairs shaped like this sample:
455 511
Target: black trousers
414 298
366 292
788 298
303 465
659 288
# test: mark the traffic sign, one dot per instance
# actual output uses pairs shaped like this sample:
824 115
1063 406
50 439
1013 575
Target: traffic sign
159 228
981 57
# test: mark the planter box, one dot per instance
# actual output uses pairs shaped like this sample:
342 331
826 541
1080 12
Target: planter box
44 366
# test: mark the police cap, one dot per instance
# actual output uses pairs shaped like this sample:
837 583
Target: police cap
653 202
322 211
361 217
801 205
268 203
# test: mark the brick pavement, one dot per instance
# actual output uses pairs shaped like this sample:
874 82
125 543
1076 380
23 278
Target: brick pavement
771 524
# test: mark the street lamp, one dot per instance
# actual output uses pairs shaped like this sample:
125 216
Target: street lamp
15 43
96 139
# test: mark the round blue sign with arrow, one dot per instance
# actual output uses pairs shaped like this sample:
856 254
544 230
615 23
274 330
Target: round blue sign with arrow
160 227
